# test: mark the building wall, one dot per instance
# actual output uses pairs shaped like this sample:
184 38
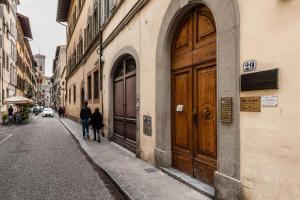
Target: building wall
9 73
20 45
143 32
59 77
269 139
270 148
24 64
88 63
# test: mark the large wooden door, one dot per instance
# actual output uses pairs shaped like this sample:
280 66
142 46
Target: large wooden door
194 135
125 104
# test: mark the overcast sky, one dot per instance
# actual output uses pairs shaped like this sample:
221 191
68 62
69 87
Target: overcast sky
47 33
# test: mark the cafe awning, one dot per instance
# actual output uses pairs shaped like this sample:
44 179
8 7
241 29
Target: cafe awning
18 100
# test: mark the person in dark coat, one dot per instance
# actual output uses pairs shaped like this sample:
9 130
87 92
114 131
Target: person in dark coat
85 115
63 111
97 123
10 113
60 111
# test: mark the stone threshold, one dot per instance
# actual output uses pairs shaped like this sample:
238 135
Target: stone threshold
201 187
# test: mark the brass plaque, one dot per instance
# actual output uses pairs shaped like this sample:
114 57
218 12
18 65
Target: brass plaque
226 109
250 104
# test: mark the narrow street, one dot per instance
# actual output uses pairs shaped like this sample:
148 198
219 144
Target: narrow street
42 161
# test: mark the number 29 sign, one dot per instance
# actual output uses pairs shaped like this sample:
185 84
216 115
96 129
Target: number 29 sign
249 66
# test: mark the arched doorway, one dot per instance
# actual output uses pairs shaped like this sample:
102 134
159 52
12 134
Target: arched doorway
194 93
124 90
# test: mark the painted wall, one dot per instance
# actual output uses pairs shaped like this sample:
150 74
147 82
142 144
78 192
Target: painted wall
10 74
144 27
79 77
270 150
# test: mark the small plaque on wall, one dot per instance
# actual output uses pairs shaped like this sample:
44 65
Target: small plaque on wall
226 109
260 80
147 125
269 101
250 104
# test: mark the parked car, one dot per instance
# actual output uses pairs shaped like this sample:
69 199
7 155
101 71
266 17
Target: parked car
36 110
41 108
48 112
31 110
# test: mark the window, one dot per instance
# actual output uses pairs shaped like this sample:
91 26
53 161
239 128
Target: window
96 84
95 22
107 8
7 62
80 49
3 60
74 94
89 87
79 4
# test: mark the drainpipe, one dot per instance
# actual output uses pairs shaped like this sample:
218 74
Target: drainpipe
101 61
2 70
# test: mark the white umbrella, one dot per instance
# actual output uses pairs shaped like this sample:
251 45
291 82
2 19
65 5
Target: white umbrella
18 100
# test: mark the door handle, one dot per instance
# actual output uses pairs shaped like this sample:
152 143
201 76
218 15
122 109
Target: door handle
206 113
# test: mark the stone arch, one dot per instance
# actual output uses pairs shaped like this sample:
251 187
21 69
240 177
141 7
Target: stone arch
226 14
125 51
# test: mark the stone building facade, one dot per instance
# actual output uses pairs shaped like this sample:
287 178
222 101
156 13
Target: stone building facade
176 89
59 77
26 78
8 53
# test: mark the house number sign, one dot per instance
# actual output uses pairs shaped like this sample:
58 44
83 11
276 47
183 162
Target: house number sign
249 65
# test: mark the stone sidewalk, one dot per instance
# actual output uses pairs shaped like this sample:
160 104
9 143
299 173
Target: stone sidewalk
136 178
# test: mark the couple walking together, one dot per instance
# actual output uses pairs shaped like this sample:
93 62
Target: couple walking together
94 119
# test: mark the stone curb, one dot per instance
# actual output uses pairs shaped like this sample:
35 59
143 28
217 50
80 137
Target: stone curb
119 187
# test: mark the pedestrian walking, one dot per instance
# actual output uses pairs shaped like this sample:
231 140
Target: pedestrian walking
60 111
85 115
63 111
97 124
10 113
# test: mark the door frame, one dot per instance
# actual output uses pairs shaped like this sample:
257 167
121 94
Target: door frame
227 176
123 52
126 141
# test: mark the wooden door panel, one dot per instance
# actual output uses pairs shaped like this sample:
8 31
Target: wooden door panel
131 97
119 98
119 127
125 104
194 136
183 163
131 131
182 97
184 39
204 171
204 28
205 101
204 55
182 61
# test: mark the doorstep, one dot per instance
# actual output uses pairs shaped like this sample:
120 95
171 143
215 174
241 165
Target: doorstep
203 188
137 179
